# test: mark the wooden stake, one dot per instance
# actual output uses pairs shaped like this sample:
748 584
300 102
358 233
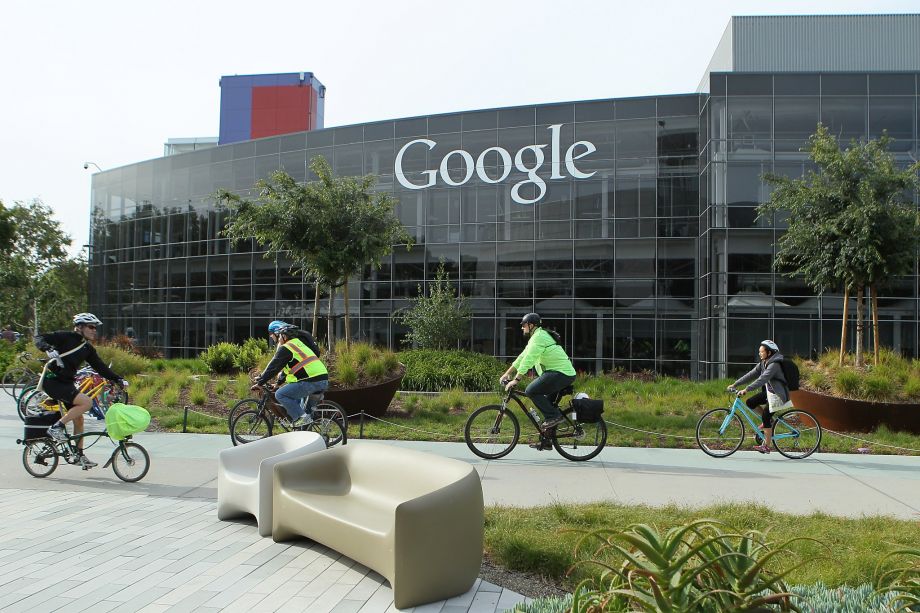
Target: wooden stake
843 327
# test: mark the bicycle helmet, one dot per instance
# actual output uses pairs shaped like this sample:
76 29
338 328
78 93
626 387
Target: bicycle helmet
531 318
86 318
770 345
277 325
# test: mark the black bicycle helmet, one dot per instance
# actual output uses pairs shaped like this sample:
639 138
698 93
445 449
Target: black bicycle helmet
531 318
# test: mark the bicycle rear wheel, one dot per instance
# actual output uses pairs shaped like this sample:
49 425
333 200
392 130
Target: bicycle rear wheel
130 462
491 432
250 426
34 403
329 410
719 433
329 428
796 433
580 442
11 378
39 458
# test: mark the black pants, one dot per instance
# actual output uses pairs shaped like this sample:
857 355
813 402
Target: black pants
760 400
547 384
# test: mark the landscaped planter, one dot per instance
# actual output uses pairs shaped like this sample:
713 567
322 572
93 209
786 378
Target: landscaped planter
845 415
372 399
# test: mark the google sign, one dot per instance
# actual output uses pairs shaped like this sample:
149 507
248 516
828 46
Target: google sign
504 166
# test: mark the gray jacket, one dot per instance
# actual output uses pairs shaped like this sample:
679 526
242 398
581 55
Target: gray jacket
769 374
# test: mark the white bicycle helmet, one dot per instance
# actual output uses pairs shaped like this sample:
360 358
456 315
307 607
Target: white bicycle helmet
86 318
770 345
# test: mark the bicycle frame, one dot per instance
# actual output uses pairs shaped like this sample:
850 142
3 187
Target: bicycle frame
753 420
70 447
520 397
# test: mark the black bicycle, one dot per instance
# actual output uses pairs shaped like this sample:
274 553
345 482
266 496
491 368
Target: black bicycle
492 431
252 419
41 456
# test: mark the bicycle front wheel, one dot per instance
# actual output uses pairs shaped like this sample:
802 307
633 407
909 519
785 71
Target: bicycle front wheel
491 432
39 458
580 442
130 462
250 426
246 404
33 403
796 433
719 433
11 379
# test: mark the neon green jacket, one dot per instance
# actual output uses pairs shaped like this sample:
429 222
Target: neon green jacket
543 353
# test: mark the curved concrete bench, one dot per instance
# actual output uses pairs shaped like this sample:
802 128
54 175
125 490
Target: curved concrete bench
244 474
415 518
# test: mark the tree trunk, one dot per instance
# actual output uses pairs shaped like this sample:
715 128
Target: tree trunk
35 315
316 309
875 322
860 316
843 327
347 318
330 328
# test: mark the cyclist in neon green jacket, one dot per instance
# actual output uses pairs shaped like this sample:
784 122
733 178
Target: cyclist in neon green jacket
554 369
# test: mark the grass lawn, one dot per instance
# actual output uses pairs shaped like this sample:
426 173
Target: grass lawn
668 407
543 540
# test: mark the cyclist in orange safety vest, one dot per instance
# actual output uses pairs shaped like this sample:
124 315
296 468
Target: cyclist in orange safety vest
297 359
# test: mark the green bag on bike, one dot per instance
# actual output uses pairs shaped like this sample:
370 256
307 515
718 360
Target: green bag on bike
123 420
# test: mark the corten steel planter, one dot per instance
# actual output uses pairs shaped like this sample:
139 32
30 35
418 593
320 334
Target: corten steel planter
373 399
845 415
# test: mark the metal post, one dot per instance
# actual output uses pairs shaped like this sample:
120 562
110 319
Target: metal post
185 419
361 426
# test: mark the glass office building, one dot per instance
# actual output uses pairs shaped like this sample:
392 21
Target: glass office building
629 224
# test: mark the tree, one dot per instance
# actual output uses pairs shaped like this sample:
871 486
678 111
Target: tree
331 229
439 320
34 276
7 228
851 224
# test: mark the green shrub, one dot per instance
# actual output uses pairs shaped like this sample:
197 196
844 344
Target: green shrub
362 353
256 345
170 398
7 356
819 598
197 393
912 387
818 380
432 370
848 383
221 358
123 362
347 375
247 356
360 364
374 368
879 387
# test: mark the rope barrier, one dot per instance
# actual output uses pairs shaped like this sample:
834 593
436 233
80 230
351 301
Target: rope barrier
862 440
189 410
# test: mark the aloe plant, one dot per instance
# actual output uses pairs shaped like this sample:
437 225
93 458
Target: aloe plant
902 583
693 567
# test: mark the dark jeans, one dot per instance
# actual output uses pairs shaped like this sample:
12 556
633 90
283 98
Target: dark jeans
547 384
760 400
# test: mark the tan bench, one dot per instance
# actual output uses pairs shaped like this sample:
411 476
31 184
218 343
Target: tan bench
415 518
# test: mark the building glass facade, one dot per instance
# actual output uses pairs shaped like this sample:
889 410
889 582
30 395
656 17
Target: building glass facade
628 224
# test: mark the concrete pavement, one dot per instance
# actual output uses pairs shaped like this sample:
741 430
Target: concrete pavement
181 487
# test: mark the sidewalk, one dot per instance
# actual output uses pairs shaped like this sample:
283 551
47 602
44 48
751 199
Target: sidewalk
156 568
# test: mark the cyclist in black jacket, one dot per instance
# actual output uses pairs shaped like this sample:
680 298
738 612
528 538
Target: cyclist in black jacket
59 378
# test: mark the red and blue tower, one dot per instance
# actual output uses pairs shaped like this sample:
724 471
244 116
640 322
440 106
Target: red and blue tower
256 106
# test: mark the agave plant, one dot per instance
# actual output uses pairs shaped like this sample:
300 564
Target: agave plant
693 567
902 583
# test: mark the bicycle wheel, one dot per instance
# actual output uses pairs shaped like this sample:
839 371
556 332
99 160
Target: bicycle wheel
39 458
796 433
329 428
33 403
581 442
246 404
327 409
491 432
25 380
249 426
718 435
11 377
130 462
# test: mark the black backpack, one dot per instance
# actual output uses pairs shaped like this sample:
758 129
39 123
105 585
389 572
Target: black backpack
790 373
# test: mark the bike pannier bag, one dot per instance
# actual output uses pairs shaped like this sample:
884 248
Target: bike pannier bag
122 420
37 425
587 410
790 373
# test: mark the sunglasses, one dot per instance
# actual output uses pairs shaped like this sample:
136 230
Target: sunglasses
90 326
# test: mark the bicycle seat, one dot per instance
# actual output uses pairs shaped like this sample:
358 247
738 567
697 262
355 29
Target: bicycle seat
566 391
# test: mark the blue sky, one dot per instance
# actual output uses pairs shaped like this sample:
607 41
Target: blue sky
109 82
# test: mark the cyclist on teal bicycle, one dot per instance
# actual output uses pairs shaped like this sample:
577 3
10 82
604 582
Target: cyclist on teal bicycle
768 374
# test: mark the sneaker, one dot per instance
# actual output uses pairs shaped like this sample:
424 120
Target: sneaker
57 432
86 463
762 448
549 424
542 446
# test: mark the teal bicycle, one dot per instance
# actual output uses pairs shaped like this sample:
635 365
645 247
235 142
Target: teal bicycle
720 432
